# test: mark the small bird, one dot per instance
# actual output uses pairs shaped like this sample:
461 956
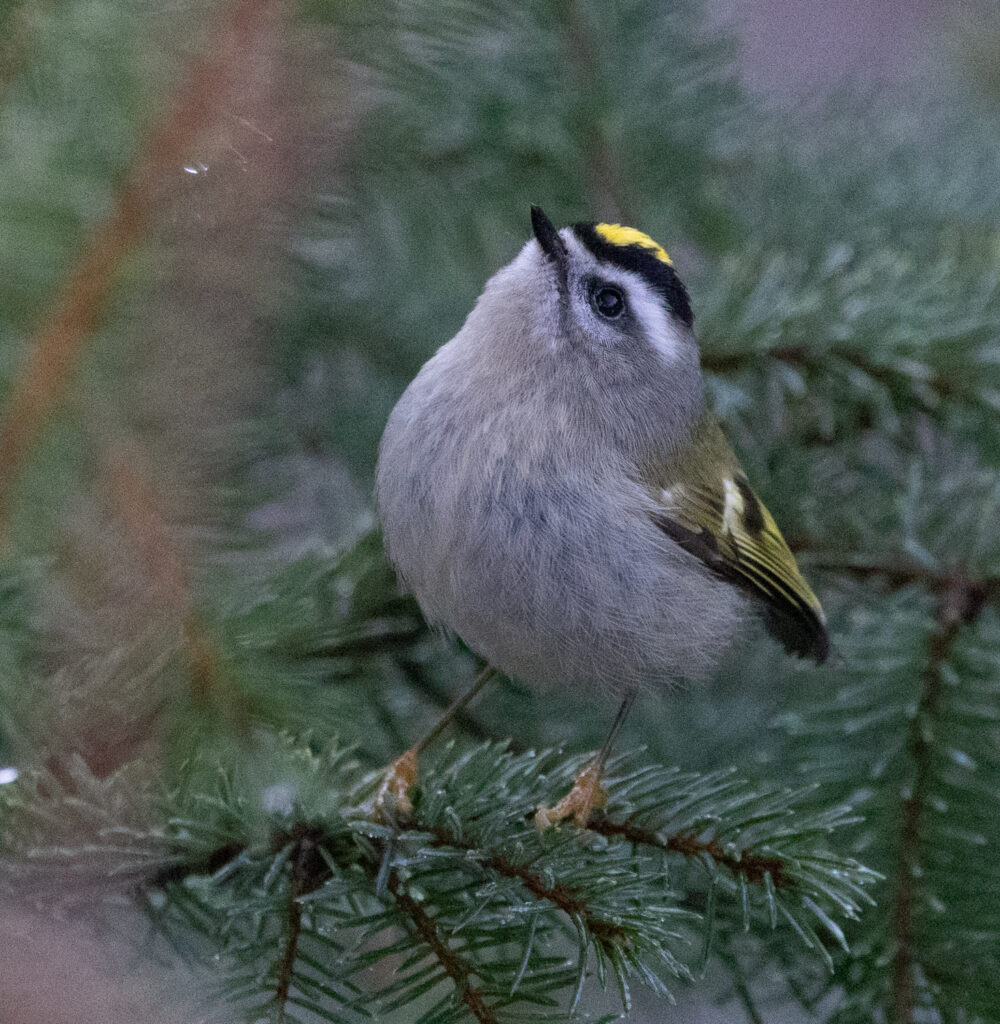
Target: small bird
553 489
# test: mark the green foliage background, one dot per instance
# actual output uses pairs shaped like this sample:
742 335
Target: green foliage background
205 660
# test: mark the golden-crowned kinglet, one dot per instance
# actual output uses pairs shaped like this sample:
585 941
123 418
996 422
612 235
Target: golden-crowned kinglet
552 488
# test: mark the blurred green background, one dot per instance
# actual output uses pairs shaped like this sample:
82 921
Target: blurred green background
231 233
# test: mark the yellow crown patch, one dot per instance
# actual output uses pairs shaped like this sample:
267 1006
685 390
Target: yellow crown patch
618 234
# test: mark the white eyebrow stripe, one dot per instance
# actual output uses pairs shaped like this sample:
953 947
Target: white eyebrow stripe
649 308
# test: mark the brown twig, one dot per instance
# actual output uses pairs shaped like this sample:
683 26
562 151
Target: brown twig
286 969
563 897
77 307
753 867
211 88
138 510
452 964
308 872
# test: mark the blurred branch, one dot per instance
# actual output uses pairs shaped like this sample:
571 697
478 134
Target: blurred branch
14 42
138 509
940 385
965 593
206 89
604 183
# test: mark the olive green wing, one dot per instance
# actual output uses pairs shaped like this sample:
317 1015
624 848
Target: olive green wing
717 517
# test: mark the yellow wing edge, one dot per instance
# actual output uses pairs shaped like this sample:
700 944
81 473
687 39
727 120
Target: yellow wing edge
733 532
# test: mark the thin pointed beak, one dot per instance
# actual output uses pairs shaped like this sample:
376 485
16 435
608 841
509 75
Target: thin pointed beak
548 238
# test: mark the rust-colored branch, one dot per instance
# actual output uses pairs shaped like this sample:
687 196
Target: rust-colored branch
304 860
286 969
563 897
139 511
453 966
753 867
138 508
77 307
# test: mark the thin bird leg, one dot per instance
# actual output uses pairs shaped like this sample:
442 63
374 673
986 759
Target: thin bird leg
456 706
587 792
393 797
616 727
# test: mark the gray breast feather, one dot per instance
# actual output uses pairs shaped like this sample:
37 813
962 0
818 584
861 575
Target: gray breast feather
548 566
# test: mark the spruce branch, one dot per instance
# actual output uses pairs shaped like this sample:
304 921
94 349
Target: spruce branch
923 743
468 860
495 904
308 871
451 963
965 591
950 613
754 867
928 389
568 900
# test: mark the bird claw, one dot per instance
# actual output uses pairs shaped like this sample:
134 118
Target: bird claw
586 794
393 797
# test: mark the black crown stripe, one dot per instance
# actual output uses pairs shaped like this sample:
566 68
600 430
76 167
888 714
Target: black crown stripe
659 275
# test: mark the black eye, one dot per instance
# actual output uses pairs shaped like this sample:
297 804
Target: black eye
609 302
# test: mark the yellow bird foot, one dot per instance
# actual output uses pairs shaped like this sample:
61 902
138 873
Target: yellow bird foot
585 795
393 797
